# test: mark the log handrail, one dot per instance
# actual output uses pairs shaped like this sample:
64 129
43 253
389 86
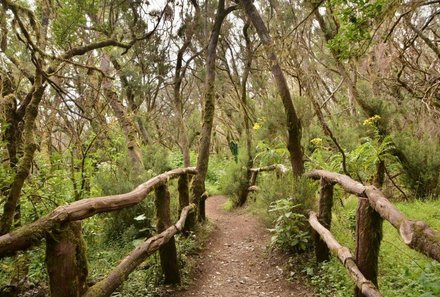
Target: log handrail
272 167
120 273
415 234
348 184
344 255
31 234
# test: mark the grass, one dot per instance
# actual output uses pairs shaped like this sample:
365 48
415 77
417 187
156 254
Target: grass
229 205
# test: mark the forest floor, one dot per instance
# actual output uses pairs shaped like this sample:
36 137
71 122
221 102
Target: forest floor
236 260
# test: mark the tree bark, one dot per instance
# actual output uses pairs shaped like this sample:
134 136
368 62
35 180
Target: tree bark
322 252
25 163
178 105
183 189
244 190
293 123
168 251
134 151
198 186
368 238
66 261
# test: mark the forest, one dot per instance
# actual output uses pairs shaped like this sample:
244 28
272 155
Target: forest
100 96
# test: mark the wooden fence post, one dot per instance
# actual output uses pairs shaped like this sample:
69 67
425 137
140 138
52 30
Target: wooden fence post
244 189
168 252
322 252
182 187
66 261
368 238
202 207
253 179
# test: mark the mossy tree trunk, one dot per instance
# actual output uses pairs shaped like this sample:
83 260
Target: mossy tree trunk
322 252
198 186
292 121
183 188
167 252
24 164
66 261
244 190
127 125
368 238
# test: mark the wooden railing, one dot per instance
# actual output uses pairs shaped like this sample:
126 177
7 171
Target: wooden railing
65 257
373 208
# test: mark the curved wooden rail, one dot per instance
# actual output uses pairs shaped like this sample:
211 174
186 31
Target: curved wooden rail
31 234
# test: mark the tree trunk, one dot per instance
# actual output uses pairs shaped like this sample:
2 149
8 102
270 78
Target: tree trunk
244 191
134 151
25 163
66 261
322 252
198 186
167 252
183 188
293 123
178 105
368 238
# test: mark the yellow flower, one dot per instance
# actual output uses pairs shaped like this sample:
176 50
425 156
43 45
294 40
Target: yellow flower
316 141
256 126
371 121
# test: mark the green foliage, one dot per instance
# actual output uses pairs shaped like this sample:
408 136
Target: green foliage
356 19
268 154
421 164
362 160
69 17
330 279
156 159
232 179
290 232
283 202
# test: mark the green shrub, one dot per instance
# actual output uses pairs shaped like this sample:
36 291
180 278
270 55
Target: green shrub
331 279
284 203
290 232
420 161
232 180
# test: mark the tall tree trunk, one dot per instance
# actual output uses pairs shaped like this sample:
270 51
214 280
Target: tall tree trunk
198 186
293 123
132 105
178 105
244 190
25 163
134 151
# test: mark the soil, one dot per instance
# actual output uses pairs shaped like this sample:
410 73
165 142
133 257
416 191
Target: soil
236 260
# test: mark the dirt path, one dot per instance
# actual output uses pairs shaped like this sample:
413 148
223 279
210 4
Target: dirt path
236 261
